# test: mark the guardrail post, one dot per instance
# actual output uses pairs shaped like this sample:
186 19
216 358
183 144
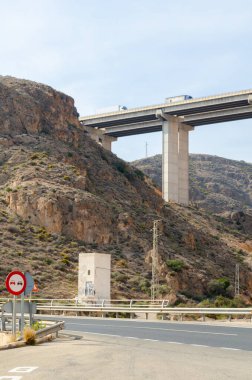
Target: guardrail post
102 305
131 301
3 323
230 317
181 317
146 315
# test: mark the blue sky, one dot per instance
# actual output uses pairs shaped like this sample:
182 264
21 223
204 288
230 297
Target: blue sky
135 53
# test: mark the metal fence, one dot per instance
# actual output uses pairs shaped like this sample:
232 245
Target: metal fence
131 308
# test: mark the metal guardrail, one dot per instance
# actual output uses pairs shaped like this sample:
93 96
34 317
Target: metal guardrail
54 329
147 310
131 307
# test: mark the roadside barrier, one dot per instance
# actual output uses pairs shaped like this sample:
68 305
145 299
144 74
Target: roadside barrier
131 308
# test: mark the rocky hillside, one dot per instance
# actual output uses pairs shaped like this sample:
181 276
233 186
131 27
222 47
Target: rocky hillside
61 194
216 184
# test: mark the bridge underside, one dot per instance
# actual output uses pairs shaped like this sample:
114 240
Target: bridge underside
175 121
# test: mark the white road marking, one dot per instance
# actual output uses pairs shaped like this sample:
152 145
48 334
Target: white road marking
131 337
11 377
154 328
155 340
94 333
23 369
199 345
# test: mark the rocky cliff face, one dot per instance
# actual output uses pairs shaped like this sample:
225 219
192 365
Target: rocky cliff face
61 194
32 108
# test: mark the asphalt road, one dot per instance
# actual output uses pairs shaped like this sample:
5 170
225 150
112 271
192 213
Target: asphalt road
235 338
99 357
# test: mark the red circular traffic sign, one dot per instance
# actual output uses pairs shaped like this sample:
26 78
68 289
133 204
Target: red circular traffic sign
15 282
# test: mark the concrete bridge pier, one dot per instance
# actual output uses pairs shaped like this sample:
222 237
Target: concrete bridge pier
175 156
98 135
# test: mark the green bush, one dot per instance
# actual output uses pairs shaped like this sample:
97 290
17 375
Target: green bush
139 174
163 289
38 325
144 285
35 156
222 301
175 265
48 261
218 286
120 277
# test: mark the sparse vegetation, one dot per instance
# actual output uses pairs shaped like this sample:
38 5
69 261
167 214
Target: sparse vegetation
219 286
175 265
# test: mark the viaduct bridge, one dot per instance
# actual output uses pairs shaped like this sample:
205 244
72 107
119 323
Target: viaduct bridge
175 120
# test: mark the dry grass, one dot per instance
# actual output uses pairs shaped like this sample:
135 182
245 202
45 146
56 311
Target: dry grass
29 335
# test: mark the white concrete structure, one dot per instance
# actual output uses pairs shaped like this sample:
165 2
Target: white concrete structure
100 138
175 160
175 119
94 276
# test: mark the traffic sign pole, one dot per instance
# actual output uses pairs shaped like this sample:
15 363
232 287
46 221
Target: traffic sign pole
14 316
22 313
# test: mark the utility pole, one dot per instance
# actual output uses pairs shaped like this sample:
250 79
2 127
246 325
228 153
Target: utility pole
146 149
154 256
237 280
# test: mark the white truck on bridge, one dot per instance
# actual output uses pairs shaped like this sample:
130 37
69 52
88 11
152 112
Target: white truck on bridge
179 98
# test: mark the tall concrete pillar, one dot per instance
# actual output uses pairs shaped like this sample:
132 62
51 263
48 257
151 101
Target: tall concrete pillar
170 160
183 172
175 165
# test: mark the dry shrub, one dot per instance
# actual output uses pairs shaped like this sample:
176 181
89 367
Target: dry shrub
29 335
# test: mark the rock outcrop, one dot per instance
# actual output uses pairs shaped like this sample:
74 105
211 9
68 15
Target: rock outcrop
31 108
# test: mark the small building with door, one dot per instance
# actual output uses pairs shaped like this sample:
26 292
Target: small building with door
94 276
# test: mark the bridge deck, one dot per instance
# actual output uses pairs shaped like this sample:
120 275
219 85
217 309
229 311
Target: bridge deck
193 112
